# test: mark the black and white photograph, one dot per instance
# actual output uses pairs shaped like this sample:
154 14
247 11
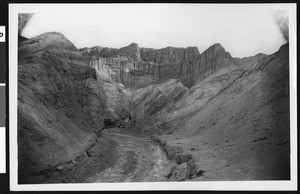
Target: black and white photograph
159 94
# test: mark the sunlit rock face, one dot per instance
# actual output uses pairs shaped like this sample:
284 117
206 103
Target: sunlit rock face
125 70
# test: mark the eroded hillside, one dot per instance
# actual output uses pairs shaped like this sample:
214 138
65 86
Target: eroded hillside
240 131
60 103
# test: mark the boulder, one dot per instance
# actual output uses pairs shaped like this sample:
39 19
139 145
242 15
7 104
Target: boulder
59 168
181 172
108 123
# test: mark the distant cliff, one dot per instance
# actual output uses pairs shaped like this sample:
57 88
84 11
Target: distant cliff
140 67
169 54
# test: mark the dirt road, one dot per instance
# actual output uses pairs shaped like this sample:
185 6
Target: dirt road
138 160
118 156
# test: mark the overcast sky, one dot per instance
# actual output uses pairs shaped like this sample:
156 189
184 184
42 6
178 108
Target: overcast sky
243 30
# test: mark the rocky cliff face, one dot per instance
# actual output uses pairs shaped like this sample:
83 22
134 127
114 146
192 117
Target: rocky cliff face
59 103
125 70
134 66
210 61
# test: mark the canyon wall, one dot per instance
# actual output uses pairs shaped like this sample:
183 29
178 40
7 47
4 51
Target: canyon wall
60 103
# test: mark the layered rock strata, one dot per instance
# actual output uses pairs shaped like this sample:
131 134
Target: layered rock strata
140 67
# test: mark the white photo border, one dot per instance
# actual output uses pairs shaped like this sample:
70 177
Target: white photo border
14 9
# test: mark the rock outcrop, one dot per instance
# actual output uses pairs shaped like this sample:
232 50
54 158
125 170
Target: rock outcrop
180 172
132 51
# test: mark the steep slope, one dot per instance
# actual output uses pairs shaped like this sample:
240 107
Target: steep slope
199 94
152 99
59 103
242 131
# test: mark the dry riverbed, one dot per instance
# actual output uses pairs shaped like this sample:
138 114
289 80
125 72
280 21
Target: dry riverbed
116 157
139 160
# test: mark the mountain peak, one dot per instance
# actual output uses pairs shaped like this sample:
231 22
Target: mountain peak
133 45
131 50
216 46
284 47
52 39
